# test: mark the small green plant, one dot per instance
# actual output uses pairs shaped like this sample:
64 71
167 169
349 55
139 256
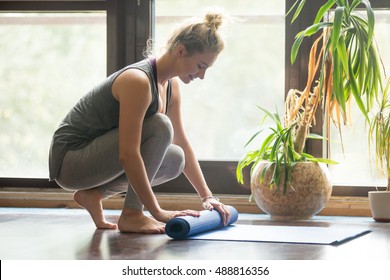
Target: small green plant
278 149
379 134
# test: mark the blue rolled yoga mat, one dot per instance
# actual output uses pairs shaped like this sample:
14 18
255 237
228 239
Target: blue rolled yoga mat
186 226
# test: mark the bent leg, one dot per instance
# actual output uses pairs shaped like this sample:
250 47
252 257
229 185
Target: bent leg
163 162
157 135
94 172
91 200
171 167
92 166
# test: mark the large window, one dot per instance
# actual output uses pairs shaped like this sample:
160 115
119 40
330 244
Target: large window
220 112
52 52
48 61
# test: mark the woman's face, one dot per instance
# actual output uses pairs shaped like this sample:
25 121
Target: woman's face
195 66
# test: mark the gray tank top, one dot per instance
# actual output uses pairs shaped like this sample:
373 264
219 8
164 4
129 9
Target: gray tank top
96 113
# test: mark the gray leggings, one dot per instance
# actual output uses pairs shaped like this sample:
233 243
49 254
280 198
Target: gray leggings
97 165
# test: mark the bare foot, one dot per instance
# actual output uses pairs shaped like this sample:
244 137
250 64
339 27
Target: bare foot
91 200
136 222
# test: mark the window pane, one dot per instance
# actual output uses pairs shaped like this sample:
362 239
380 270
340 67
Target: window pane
220 112
48 60
355 168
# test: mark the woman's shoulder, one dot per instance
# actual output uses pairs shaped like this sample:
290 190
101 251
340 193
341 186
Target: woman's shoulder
133 75
133 79
136 72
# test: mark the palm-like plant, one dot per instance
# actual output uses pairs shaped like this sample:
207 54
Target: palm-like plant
348 62
344 65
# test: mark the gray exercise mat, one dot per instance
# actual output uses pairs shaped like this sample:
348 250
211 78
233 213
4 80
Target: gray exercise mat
333 235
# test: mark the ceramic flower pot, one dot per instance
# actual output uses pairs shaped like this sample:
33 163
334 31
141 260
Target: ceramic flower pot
307 193
380 205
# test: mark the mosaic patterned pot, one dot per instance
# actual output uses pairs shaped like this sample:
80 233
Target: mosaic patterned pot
307 193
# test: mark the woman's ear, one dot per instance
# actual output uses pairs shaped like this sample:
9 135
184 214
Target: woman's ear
180 50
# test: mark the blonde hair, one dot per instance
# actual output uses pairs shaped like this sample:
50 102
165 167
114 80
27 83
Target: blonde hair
199 35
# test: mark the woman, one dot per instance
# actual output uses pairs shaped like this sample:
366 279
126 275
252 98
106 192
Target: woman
127 134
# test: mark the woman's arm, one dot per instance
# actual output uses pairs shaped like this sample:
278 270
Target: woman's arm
133 106
192 168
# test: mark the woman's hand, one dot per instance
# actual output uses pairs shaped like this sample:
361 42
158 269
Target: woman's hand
164 215
211 203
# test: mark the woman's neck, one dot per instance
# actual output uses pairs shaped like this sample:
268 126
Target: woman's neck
166 68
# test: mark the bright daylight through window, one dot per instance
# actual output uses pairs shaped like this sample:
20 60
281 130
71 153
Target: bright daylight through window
220 112
48 61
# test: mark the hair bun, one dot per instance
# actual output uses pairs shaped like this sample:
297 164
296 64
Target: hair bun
213 20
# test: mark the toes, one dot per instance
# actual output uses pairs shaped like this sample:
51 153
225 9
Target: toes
106 225
113 226
153 230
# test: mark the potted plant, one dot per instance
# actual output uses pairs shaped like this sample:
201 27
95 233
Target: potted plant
285 183
344 65
379 133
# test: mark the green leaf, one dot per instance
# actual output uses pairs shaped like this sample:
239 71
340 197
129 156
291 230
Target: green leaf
338 90
298 10
253 137
354 4
365 70
275 118
265 170
356 93
266 143
292 7
340 2
313 29
316 136
295 48
287 172
323 160
337 24
342 51
323 10
306 33
274 151
371 21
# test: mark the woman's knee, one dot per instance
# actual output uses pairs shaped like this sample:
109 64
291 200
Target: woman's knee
176 161
159 125
172 166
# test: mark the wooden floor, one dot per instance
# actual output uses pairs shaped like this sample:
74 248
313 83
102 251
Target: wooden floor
69 234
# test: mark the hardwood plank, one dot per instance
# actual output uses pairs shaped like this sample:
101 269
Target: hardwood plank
66 234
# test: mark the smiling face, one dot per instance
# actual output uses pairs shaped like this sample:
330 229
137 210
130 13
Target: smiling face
195 66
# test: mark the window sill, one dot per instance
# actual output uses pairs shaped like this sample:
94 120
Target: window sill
58 198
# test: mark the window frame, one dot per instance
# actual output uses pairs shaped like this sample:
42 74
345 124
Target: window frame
129 24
